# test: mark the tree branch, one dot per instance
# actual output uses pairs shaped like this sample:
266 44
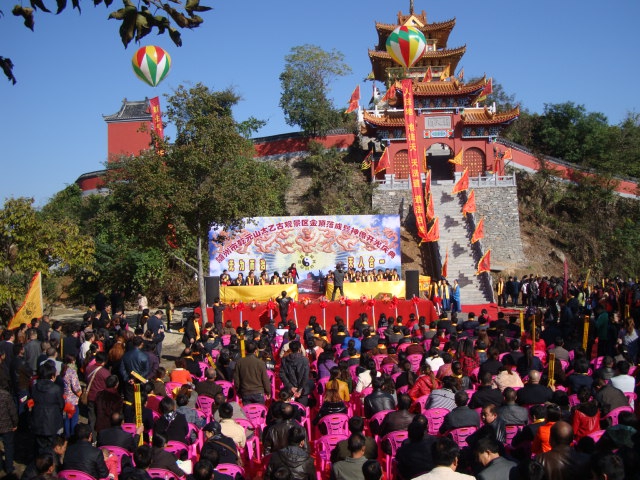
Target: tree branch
185 263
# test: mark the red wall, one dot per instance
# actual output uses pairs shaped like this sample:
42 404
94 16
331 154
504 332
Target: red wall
126 138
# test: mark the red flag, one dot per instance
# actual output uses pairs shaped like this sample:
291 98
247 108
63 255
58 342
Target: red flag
430 210
508 154
389 94
462 184
354 102
484 265
384 161
428 76
470 204
479 232
366 163
445 265
487 90
433 235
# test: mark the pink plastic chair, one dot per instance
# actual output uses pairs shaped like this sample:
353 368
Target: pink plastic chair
596 435
512 431
322 389
230 469
378 360
324 446
196 446
394 440
631 396
414 359
422 401
573 400
460 435
226 339
377 418
74 475
162 473
388 368
403 346
435 416
204 404
252 447
129 428
257 414
305 420
119 452
170 386
176 447
612 416
226 388
335 424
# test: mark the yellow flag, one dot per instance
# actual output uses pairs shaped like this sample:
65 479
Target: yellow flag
446 73
457 160
32 306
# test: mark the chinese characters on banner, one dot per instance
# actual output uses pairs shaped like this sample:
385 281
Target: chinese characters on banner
414 166
156 116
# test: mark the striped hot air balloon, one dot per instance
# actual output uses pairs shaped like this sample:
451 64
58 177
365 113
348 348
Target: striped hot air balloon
406 45
151 64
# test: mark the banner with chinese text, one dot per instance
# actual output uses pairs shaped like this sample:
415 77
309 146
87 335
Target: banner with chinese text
414 166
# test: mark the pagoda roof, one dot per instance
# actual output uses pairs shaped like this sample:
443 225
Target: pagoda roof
381 60
439 31
450 88
470 116
484 116
131 111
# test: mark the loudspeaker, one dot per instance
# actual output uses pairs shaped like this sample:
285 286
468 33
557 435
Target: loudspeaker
212 288
412 285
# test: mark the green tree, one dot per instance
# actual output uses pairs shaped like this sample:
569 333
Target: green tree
208 176
337 187
31 242
308 73
137 19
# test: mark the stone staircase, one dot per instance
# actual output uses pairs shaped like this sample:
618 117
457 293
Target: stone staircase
455 234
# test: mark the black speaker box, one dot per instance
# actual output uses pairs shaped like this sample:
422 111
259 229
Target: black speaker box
412 287
212 288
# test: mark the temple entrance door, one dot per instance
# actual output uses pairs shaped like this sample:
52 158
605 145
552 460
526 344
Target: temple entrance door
401 164
438 156
474 161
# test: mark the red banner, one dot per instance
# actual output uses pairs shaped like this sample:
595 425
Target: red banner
414 165
156 116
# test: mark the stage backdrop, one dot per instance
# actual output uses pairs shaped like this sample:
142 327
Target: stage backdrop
314 244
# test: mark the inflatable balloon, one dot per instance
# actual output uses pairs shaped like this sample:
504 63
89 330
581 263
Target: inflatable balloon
151 64
406 45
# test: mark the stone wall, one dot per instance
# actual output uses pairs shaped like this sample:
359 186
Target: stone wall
499 207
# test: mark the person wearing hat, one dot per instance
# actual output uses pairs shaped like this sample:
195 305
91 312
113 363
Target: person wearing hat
223 445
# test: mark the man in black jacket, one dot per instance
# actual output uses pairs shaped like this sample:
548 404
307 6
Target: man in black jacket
83 456
461 416
294 373
486 394
46 415
414 457
115 436
294 457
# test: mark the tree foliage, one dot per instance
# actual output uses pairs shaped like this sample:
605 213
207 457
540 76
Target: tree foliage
137 19
31 241
308 73
208 176
337 187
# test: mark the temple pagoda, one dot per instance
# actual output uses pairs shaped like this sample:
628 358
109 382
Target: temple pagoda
449 115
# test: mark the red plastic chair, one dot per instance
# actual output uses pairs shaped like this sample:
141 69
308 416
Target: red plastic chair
335 423
230 469
460 435
162 473
323 448
612 416
74 475
394 440
435 416
257 414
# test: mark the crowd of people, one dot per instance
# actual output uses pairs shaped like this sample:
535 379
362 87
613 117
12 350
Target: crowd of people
478 397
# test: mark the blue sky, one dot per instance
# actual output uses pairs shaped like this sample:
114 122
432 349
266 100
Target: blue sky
73 69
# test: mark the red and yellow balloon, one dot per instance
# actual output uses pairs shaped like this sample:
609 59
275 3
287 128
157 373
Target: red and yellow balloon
151 64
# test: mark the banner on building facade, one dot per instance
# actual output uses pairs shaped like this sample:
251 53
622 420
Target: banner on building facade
315 245
414 165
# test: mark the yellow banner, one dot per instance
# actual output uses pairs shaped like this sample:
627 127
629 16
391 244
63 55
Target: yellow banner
32 306
355 290
259 293
425 282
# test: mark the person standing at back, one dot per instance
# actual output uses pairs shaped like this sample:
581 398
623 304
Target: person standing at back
156 326
250 377
338 281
